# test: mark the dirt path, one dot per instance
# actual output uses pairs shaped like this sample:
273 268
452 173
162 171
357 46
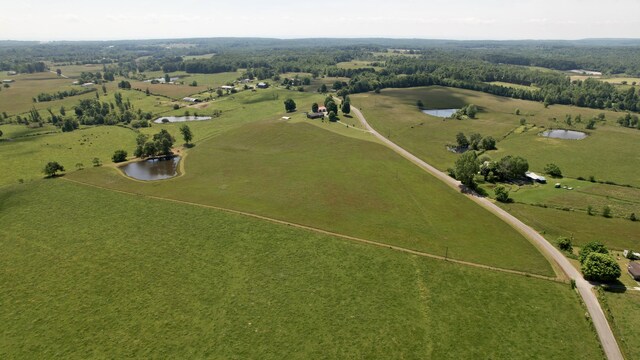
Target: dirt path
325 232
607 339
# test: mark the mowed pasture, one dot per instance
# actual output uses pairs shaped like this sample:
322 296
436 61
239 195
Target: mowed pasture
514 86
129 276
308 175
624 316
615 233
394 113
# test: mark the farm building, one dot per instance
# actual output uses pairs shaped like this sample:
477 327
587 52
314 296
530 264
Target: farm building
226 87
262 85
190 99
12 73
89 84
634 270
7 81
535 177
315 115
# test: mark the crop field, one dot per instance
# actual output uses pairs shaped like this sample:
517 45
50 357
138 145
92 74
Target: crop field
174 91
624 316
320 178
128 276
394 113
74 71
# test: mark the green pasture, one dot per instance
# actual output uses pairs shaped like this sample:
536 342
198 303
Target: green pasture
624 315
357 64
25 157
514 86
394 113
302 173
616 233
115 275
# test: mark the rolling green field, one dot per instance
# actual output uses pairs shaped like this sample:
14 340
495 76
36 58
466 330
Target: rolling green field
394 113
552 223
625 311
115 275
515 86
319 178
26 156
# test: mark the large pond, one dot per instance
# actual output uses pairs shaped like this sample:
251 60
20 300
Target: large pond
442 113
173 119
564 134
153 169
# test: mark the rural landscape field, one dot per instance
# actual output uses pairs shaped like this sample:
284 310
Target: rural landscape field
213 194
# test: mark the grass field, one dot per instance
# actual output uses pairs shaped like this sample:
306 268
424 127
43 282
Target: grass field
115 275
622 200
625 311
615 233
27 156
515 86
320 178
357 64
394 113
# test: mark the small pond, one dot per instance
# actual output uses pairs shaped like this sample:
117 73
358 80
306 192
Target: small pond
442 113
564 134
173 119
153 169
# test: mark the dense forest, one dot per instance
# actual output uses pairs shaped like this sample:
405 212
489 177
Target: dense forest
462 64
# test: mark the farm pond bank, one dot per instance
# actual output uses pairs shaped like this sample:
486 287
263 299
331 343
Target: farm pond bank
152 169
564 134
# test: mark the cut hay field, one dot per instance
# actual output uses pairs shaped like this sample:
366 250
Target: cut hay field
304 174
115 275
394 113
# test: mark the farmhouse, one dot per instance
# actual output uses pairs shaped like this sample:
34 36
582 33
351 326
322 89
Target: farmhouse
315 115
12 73
535 177
192 100
7 81
322 109
634 270
226 87
262 85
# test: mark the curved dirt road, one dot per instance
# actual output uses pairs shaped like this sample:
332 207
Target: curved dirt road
607 339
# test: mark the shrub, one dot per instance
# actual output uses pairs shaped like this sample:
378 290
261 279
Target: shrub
52 168
632 217
119 156
606 211
553 170
565 244
502 194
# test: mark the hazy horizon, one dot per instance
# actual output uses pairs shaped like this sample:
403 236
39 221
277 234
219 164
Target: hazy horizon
286 19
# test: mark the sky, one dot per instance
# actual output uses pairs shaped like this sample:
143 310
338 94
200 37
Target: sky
47 20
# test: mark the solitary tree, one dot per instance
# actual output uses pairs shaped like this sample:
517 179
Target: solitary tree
565 244
187 135
606 211
58 72
52 168
346 107
290 105
467 166
119 156
600 267
553 170
167 78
